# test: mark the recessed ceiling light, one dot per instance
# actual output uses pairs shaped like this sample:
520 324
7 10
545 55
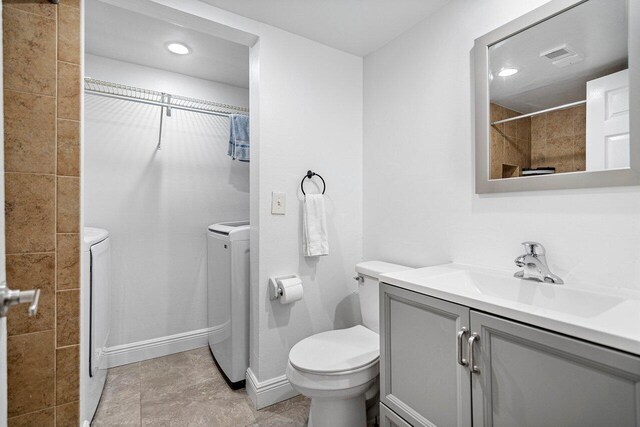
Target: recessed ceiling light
178 48
506 72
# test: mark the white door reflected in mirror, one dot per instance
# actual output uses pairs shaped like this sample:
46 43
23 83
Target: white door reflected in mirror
608 122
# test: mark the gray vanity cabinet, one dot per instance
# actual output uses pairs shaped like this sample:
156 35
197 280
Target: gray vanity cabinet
420 378
528 376
524 376
388 418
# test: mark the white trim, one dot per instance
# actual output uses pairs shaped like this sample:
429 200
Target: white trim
269 392
157 347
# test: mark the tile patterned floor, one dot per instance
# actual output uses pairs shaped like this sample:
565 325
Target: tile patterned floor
186 389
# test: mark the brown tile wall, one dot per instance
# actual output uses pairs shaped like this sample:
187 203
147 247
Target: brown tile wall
42 54
558 139
510 143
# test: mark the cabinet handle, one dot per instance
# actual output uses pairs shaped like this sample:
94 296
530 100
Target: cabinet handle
474 368
461 360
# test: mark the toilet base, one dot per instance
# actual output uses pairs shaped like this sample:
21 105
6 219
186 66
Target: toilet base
338 412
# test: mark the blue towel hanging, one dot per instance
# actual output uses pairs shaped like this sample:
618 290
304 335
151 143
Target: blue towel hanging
239 137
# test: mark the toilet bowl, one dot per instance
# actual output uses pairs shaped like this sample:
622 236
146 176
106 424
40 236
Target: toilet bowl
338 369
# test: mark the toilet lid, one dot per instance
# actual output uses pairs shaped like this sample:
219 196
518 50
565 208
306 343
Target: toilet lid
336 351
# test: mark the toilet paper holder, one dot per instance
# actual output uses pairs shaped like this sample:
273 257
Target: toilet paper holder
275 291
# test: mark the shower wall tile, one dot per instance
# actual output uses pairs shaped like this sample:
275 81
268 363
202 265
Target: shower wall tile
39 7
30 372
558 139
42 418
580 151
67 376
29 52
69 34
68 415
561 151
68 209
68 91
42 86
510 143
72 3
29 148
538 129
29 213
68 148
32 271
580 120
68 261
68 318
559 123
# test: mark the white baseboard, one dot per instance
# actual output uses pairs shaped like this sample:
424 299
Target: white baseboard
269 392
156 347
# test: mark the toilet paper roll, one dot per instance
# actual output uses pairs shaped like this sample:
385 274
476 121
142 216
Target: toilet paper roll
291 290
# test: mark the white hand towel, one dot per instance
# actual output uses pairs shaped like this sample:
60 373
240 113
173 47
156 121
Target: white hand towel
315 240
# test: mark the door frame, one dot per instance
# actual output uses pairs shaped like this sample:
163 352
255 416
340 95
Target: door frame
3 320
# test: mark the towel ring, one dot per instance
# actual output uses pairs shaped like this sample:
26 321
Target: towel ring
310 175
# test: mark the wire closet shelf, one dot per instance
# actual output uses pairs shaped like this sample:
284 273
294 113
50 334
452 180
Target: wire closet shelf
152 97
165 101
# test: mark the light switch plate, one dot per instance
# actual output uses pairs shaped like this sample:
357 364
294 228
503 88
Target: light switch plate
278 203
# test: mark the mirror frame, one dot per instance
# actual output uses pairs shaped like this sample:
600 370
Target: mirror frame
582 179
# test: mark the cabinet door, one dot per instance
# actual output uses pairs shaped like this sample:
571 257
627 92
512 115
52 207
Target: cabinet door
531 377
420 377
390 419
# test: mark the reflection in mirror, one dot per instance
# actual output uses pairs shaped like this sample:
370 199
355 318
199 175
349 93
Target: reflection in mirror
559 94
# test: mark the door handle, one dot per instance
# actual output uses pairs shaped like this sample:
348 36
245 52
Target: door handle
10 298
472 366
460 337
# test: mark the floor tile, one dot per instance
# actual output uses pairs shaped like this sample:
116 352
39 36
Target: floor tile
186 389
120 401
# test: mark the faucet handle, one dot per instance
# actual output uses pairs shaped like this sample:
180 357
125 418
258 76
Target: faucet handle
534 248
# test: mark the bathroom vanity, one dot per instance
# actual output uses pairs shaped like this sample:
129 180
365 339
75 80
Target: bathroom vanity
464 345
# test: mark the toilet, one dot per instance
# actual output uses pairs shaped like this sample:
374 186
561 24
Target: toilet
338 370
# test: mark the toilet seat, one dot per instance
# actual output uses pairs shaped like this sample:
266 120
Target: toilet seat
336 369
337 352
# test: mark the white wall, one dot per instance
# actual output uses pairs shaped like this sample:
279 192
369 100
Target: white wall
157 204
420 205
309 103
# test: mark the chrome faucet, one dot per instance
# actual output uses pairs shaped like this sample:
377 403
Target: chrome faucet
534 264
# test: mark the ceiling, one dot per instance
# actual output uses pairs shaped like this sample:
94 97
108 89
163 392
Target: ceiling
355 26
120 34
596 29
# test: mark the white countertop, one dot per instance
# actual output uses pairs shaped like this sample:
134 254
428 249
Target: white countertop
604 316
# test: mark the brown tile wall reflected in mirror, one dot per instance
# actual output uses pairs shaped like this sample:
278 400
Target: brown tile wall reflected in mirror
555 139
41 43
558 140
510 144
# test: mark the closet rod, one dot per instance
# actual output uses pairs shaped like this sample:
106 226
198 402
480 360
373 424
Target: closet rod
537 113
165 101
157 103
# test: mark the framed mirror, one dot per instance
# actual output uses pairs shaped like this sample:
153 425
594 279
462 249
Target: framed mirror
557 98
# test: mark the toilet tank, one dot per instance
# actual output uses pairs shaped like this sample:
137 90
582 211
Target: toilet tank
370 272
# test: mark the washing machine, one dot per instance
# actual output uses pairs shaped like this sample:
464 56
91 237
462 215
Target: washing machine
95 319
228 298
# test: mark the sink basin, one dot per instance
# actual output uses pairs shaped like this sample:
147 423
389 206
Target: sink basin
606 316
560 298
